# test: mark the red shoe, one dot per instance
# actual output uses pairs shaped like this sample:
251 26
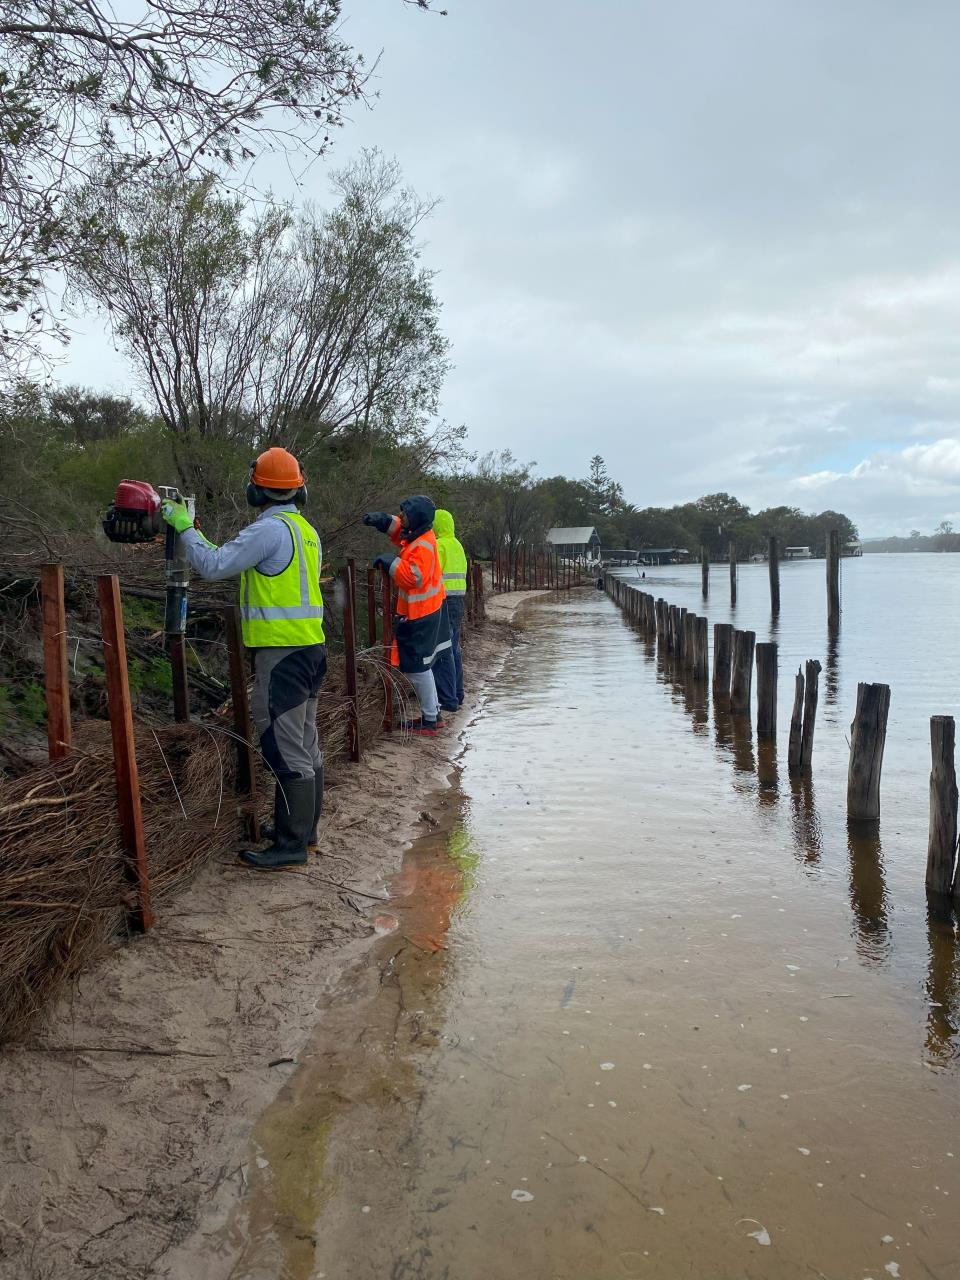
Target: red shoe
423 728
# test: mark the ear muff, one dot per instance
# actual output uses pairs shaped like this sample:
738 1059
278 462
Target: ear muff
255 495
300 497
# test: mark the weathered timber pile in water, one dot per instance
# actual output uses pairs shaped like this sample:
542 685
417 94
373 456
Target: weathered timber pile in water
64 887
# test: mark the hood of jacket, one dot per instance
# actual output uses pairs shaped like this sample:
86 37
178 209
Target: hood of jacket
420 512
443 524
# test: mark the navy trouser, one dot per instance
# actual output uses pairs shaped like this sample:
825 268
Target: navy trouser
448 669
284 708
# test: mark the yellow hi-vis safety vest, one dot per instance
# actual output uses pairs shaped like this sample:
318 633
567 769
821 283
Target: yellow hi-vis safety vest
285 610
453 562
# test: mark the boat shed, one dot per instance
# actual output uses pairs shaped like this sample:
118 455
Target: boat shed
578 543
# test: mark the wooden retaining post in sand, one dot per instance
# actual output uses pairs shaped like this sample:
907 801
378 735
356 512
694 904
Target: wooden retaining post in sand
766 690
704 572
701 666
742 672
350 661
386 608
124 744
942 839
56 666
733 571
810 698
481 602
833 579
242 724
722 658
372 607
868 734
773 564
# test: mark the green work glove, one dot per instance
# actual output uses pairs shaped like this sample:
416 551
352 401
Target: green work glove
176 513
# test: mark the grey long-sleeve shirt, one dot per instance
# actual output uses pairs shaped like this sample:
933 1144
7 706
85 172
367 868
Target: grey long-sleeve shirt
267 545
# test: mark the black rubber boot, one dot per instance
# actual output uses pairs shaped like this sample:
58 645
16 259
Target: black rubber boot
292 821
267 828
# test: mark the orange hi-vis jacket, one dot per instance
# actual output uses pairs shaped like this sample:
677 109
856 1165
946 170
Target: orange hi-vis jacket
420 596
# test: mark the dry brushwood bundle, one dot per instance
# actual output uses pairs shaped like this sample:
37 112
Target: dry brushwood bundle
64 884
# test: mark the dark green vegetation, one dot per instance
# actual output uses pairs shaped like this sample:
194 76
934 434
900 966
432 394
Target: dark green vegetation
943 538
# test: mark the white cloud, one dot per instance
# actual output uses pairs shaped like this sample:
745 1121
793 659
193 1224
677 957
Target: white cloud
940 461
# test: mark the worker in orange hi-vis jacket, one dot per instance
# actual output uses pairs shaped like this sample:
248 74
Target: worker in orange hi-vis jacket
421 630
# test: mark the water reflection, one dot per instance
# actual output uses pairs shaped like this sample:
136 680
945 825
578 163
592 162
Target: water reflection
868 894
742 735
942 1043
831 678
695 700
767 773
805 822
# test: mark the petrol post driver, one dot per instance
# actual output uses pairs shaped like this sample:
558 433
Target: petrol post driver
134 516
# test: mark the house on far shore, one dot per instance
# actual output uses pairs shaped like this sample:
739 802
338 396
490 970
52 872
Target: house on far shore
579 544
664 555
796 553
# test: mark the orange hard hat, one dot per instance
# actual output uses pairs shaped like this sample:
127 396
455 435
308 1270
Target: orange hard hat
277 469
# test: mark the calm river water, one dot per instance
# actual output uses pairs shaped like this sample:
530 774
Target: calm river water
648 1012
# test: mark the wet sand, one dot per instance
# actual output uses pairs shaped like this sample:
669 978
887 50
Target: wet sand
127 1117
639 1011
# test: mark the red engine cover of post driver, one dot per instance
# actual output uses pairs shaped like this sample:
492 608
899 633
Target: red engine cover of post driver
136 495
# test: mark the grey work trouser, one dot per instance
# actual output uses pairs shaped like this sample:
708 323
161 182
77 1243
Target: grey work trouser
425 688
284 707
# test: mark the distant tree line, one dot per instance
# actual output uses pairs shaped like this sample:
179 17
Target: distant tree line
943 538
503 503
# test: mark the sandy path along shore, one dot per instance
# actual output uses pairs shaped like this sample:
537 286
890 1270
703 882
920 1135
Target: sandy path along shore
126 1114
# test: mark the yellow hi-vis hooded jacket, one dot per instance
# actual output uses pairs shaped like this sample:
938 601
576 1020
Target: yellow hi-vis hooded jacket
453 558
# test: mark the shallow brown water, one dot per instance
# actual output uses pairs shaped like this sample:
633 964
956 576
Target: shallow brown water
649 1012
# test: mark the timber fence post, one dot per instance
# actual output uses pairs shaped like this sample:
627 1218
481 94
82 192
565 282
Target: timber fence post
733 571
350 662
56 666
766 690
811 697
773 557
386 631
704 572
833 579
795 744
242 724
701 666
371 606
722 657
867 737
742 677
942 838
124 745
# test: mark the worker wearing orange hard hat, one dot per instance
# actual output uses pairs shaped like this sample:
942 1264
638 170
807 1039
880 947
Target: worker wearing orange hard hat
277 558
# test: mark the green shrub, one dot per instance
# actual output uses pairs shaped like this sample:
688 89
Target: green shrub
159 676
32 704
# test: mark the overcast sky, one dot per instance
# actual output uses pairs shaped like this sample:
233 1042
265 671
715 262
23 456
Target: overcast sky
717 243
